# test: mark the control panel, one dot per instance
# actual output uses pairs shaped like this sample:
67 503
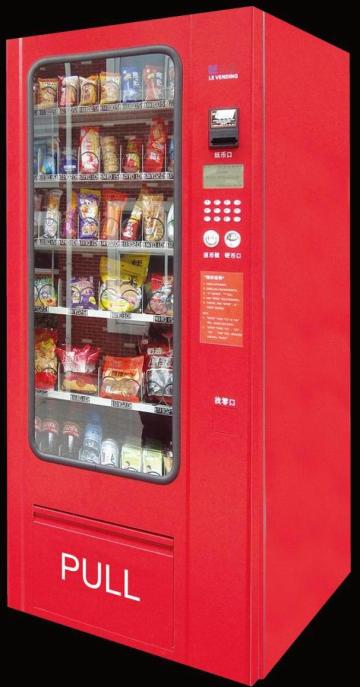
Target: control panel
222 219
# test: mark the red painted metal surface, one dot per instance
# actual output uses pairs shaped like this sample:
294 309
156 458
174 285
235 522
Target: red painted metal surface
236 593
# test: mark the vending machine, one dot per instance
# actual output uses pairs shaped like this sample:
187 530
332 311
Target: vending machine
178 334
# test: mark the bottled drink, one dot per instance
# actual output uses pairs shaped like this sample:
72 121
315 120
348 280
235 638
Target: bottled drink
70 440
91 448
50 436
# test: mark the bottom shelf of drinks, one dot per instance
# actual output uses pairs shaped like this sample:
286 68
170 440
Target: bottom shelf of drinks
127 435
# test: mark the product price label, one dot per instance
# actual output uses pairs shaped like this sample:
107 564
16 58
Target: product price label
120 316
163 410
80 398
121 404
79 311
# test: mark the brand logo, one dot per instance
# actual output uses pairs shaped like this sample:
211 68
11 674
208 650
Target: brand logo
97 576
216 74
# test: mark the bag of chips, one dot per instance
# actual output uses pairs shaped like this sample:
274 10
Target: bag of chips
158 376
78 359
89 203
131 84
47 152
110 154
153 216
70 224
153 78
44 292
109 88
68 161
170 223
89 150
159 290
52 216
130 232
37 213
121 282
47 92
113 203
121 378
45 358
155 146
80 368
69 88
170 80
132 162
88 90
83 293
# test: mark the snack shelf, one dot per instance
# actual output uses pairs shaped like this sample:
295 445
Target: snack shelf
41 180
100 246
112 111
110 403
105 314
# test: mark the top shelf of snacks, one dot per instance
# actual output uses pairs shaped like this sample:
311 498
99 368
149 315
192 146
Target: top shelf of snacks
127 89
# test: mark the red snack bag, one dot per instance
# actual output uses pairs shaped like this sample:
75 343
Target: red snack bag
122 378
132 163
45 358
155 146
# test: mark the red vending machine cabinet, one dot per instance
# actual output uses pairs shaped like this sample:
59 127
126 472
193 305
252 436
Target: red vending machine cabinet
178 350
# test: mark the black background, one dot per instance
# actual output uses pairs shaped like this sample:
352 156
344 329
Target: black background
36 649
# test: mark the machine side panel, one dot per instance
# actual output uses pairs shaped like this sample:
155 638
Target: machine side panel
306 287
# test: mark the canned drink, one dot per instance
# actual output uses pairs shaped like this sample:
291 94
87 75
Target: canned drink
109 452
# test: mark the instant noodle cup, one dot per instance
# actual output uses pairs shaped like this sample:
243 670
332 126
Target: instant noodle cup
121 378
113 203
109 88
89 204
89 150
47 92
69 88
88 90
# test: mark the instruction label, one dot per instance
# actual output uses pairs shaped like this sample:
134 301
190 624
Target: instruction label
221 308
